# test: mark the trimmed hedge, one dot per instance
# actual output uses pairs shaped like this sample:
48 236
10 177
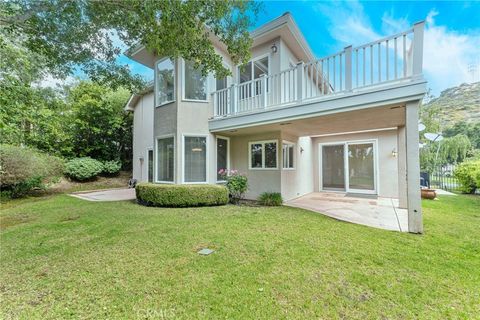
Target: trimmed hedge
175 195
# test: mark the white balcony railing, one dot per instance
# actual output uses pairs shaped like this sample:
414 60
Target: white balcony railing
391 59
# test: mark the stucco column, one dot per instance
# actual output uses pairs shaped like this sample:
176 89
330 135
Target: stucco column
415 221
402 168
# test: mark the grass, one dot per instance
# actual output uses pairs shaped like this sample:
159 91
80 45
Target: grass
62 257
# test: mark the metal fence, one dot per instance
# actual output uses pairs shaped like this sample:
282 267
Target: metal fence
443 178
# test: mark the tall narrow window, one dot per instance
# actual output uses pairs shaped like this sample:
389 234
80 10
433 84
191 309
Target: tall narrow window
165 78
150 165
263 155
288 155
195 159
195 84
222 156
165 159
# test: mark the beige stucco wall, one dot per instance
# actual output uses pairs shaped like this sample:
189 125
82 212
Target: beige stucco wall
298 181
142 135
387 164
259 180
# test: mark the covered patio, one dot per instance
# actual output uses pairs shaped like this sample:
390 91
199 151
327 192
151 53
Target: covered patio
369 210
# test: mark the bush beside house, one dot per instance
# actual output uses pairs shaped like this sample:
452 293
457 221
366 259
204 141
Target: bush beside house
24 169
171 195
270 199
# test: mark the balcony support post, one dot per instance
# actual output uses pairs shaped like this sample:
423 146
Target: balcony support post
348 68
300 76
418 29
263 83
233 99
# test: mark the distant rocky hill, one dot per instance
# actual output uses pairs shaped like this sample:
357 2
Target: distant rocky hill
456 104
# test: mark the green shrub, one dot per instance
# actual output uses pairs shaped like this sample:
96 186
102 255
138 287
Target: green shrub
23 169
82 169
270 199
237 184
174 195
111 167
468 175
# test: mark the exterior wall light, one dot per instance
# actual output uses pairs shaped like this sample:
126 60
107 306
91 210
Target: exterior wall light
274 48
394 153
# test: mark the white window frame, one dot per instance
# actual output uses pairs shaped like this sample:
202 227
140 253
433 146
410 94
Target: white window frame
260 57
263 142
153 159
183 78
228 156
155 175
157 104
345 144
293 145
195 135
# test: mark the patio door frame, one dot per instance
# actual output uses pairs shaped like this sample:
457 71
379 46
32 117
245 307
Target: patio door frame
345 144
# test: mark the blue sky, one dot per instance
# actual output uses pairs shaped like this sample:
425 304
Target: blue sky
452 35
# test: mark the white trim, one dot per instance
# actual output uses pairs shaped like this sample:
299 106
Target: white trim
195 135
262 142
294 145
228 156
155 176
155 86
183 83
353 132
345 144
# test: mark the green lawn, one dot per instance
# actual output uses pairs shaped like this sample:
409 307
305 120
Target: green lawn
63 257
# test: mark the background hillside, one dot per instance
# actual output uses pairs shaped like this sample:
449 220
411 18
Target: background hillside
457 104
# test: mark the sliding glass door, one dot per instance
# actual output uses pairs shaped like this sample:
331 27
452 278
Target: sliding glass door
361 168
348 166
333 169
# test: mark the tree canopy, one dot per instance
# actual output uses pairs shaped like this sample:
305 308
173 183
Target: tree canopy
87 34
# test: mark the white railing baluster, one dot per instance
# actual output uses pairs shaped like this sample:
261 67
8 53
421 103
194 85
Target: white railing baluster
395 57
386 58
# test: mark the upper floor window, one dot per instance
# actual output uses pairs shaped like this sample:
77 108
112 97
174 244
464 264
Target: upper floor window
251 71
195 84
165 78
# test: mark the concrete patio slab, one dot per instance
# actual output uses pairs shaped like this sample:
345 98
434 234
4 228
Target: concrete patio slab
378 212
106 195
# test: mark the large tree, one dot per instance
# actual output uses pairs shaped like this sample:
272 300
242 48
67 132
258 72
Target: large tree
80 34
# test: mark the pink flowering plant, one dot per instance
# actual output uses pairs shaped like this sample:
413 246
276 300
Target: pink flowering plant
237 184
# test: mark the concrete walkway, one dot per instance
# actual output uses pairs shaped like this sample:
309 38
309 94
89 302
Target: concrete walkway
374 212
106 195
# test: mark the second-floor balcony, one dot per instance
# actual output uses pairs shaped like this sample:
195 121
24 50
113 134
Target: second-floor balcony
388 62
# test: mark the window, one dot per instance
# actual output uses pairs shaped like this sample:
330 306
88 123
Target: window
150 165
263 155
251 71
195 84
288 155
195 159
222 156
165 159
165 78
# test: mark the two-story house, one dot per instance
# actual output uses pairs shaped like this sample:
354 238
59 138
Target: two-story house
291 122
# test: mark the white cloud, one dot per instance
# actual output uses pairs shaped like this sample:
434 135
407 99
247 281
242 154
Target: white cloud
49 81
447 53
